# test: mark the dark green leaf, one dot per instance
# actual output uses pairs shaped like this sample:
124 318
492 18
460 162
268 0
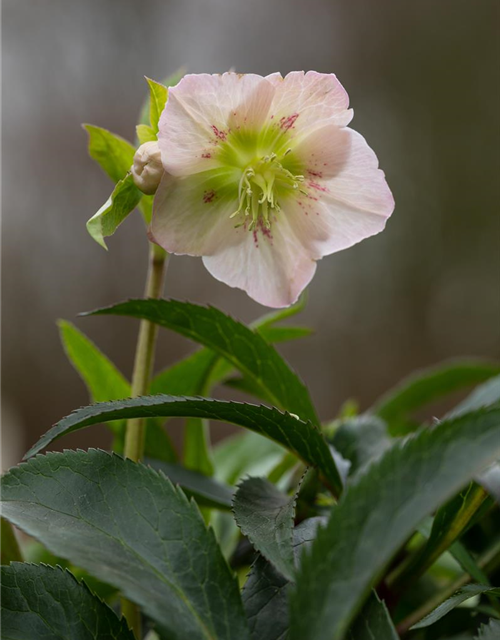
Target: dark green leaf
127 524
300 437
114 154
248 386
157 101
47 603
428 385
274 334
245 349
485 395
463 594
265 594
490 631
373 623
408 483
361 440
122 201
265 516
206 491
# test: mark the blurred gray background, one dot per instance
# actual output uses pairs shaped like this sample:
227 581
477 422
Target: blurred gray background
423 78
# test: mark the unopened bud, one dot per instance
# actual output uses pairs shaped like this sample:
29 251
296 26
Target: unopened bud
147 169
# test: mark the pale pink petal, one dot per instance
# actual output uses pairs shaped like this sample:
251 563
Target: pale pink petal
306 101
272 267
189 218
201 111
348 204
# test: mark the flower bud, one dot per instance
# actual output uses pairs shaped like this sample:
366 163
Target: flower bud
147 169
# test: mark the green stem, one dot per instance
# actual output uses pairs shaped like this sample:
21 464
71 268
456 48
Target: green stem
10 550
141 380
490 561
144 355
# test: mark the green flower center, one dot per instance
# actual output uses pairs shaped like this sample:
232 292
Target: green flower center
261 185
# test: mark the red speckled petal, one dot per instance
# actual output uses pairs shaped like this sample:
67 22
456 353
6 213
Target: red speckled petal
200 112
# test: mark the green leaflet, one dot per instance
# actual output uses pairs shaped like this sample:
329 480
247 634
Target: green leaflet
483 396
43 603
206 491
303 438
265 516
373 622
78 504
157 101
112 153
423 387
463 594
105 382
242 347
170 81
408 483
124 199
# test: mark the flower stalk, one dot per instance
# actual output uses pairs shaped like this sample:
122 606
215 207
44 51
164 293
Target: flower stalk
141 378
11 552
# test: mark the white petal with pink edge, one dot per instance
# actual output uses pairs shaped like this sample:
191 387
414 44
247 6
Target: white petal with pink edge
200 112
189 219
306 101
272 267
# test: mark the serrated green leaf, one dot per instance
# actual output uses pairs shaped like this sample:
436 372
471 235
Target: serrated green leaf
361 440
157 101
265 516
428 385
105 382
206 491
128 525
145 133
490 631
243 348
46 603
408 483
373 622
463 594
122 201
113 154
300 437
265 594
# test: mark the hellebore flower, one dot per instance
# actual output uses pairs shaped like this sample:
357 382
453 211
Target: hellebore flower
263 178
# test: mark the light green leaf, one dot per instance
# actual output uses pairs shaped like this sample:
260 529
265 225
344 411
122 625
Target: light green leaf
113 154
170 81
145 133
157 101
373 622
463 594
81 505
206 491
423 387
490 631
122 201
300 437
265 516
47 603
105 382
408 483
102 379
242 347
